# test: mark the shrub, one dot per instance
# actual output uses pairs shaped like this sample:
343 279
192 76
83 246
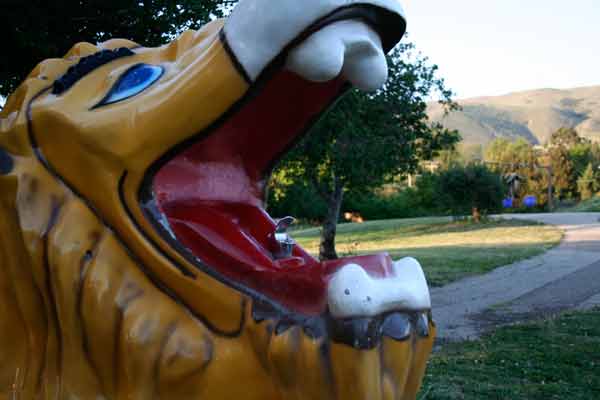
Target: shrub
453 192
464 190
587 184
372 206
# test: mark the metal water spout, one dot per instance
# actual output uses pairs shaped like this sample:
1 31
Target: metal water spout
284 243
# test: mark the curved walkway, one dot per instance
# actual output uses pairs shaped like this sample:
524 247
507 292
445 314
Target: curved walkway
565 277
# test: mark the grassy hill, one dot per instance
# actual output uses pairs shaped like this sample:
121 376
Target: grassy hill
533 115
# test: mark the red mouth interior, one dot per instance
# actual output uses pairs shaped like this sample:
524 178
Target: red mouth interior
211 195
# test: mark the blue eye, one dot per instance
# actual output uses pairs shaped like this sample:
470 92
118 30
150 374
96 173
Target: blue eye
132 82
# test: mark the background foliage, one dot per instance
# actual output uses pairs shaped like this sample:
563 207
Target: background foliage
35 30
575 164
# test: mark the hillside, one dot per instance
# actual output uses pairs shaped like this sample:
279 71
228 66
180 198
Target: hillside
533 115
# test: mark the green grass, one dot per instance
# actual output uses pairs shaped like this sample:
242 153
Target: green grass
591 205
556 359
447 250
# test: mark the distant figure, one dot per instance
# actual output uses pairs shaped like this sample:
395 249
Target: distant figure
353 217
514 184
476 215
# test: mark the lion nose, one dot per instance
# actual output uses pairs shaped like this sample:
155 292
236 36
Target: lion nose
353 293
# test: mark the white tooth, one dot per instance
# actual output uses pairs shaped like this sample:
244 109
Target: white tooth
350 48
366 66
320 58
353 293
257 31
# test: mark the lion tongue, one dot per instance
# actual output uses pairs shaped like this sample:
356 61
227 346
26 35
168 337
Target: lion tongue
348 48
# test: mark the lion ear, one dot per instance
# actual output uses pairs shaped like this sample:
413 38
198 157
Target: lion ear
81 49
13 119
113 44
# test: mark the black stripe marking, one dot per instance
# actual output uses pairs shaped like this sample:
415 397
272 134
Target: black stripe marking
325 356
183 269
6 162
117 330
87 64
236 62
84 266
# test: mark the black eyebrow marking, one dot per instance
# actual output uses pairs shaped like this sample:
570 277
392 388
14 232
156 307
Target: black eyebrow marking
87 65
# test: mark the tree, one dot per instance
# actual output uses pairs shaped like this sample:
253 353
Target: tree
566 137
471 152
584 154
566 152
366 140
35 30
520 157
472 189
509 154
450 158
587 184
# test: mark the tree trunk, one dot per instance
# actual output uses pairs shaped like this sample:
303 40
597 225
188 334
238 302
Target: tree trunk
334 205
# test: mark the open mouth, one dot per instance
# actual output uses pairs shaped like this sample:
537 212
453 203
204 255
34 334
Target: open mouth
353 328
206 196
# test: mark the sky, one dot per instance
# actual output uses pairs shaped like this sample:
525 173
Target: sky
493 47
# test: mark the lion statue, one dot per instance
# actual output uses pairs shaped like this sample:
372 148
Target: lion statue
136 258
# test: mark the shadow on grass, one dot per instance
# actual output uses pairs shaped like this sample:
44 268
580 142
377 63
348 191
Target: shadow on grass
446 264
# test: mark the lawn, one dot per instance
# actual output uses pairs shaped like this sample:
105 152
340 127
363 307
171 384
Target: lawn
591 205
447 250
555 359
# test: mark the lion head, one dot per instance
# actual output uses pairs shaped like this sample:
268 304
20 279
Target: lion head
137 260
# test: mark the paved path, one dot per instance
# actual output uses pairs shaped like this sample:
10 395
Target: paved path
565 277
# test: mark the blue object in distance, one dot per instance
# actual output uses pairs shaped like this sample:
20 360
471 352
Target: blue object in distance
530 201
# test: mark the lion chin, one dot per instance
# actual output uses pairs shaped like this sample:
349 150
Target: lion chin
136 258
